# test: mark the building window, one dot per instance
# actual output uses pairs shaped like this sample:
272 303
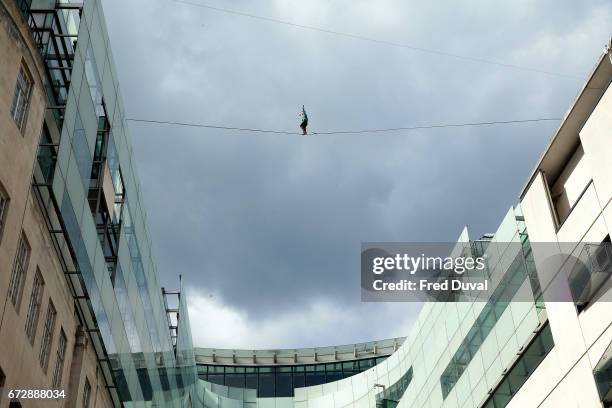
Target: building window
529 360
106 192
568 187
4 200
45 347
511 282
47 154
280 381
23 89
603 377
86 393
59 362
20 267
390 396
34 307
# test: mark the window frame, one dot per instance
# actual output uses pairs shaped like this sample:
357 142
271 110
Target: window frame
35 305
18 276
47 339
60 358
23 86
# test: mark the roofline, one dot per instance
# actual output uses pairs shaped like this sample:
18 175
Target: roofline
399 340
299 356
606 55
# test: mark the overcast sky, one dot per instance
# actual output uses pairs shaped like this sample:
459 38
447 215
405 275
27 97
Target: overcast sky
266 229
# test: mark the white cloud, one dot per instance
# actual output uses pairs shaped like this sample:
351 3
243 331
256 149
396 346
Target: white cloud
214 323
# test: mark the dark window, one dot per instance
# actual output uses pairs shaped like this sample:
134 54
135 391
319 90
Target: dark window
59 362
603 377
365 364
47 155
45 347
34 307
20 267
251 381
234 377
333 372
315 375
350 368
266 382
298 377
281 380
21 97
284 386
202 371
215 375
145 383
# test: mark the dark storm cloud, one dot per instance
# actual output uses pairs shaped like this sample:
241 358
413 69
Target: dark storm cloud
275 222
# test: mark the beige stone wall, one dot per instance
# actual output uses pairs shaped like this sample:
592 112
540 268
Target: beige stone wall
19 359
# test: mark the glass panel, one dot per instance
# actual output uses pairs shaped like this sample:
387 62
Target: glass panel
527 363
314 376
365 364
216 378
284 387
266 385
251 381
234 380
299 380
392 395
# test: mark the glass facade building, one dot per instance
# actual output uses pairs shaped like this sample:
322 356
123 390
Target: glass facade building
280 381
277 373
518 348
